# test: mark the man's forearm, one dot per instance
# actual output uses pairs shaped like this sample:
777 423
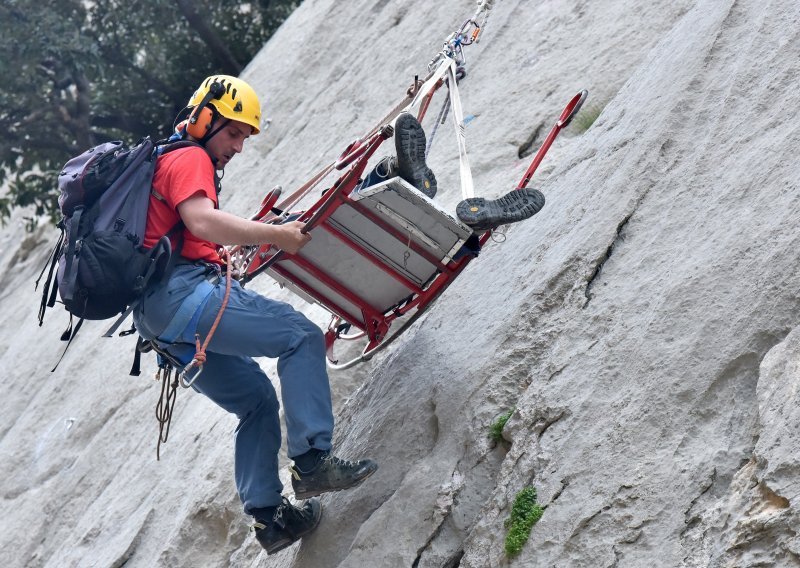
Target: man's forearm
208 223
227 229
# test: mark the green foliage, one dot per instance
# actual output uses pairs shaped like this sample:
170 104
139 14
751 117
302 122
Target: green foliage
496 429
586 117
525 513
80 73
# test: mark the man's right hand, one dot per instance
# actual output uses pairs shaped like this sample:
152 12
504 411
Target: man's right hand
288 236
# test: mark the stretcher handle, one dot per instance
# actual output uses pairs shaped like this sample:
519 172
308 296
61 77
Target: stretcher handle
353 151
569 112
572 108
268 203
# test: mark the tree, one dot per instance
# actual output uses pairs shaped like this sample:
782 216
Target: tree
78 73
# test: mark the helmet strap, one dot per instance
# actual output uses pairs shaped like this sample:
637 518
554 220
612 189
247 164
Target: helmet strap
215 131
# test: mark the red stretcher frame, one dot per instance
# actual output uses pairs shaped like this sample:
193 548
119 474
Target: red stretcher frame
371 323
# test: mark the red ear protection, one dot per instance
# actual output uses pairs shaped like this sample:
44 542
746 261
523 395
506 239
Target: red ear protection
199 122
202 116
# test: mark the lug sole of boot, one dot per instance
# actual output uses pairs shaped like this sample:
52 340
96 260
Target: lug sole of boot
409 140
280 545
287 542
316 492
484 214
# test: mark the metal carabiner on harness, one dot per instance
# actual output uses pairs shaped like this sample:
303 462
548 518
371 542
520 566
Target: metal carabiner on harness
182 376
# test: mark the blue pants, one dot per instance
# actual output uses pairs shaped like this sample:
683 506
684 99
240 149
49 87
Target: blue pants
252 326
376 175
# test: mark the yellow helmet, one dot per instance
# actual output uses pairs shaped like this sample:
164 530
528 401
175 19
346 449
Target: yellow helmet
231 97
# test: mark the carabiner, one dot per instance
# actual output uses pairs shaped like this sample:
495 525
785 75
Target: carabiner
182 377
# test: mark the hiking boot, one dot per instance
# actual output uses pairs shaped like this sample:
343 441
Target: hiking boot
387 167
484 214
409 140
288 525
330 474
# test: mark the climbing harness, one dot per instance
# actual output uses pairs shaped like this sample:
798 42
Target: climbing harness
184 323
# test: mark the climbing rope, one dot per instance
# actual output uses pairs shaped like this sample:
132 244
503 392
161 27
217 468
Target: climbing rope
469 33
166 403
200 355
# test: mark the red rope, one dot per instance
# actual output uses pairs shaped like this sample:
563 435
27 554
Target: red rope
200 355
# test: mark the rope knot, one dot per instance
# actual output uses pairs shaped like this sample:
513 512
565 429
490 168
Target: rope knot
200 349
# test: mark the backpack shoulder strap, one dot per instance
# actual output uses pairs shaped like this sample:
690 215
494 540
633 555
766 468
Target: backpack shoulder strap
165 146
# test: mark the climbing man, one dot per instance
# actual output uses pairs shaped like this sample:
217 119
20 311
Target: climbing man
223 113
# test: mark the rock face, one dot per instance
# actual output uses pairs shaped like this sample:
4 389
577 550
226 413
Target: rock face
642 325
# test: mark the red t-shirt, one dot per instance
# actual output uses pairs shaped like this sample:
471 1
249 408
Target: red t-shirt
179 175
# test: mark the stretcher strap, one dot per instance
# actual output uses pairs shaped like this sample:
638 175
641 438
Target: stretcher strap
430 83
467 187
287 204
447 66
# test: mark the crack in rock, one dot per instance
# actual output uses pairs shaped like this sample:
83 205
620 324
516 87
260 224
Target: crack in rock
692 520
526 148
618 237
442 508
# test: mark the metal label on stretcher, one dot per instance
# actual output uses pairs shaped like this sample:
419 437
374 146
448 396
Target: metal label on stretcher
416 213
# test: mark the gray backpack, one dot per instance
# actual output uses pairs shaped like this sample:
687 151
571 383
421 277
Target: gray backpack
102 267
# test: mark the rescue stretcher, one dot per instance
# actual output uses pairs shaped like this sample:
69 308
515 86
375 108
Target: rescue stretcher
381 254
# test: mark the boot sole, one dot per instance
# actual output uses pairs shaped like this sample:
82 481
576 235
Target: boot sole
409 140
287 542
484 214
315 492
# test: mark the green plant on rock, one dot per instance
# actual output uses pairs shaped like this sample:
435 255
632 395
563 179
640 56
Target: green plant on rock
496 429
525 513
586 117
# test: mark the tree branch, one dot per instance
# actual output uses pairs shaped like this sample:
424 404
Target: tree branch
152 80
210 38
119 122
83 110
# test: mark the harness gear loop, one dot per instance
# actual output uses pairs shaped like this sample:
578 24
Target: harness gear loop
200 355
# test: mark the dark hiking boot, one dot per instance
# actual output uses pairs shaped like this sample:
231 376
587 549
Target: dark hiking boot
409 140
288 525
484 214
387 168
330 474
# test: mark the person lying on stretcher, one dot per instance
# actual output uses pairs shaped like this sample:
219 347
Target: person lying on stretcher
479 213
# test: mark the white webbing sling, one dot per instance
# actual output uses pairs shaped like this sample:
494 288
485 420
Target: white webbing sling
447 66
